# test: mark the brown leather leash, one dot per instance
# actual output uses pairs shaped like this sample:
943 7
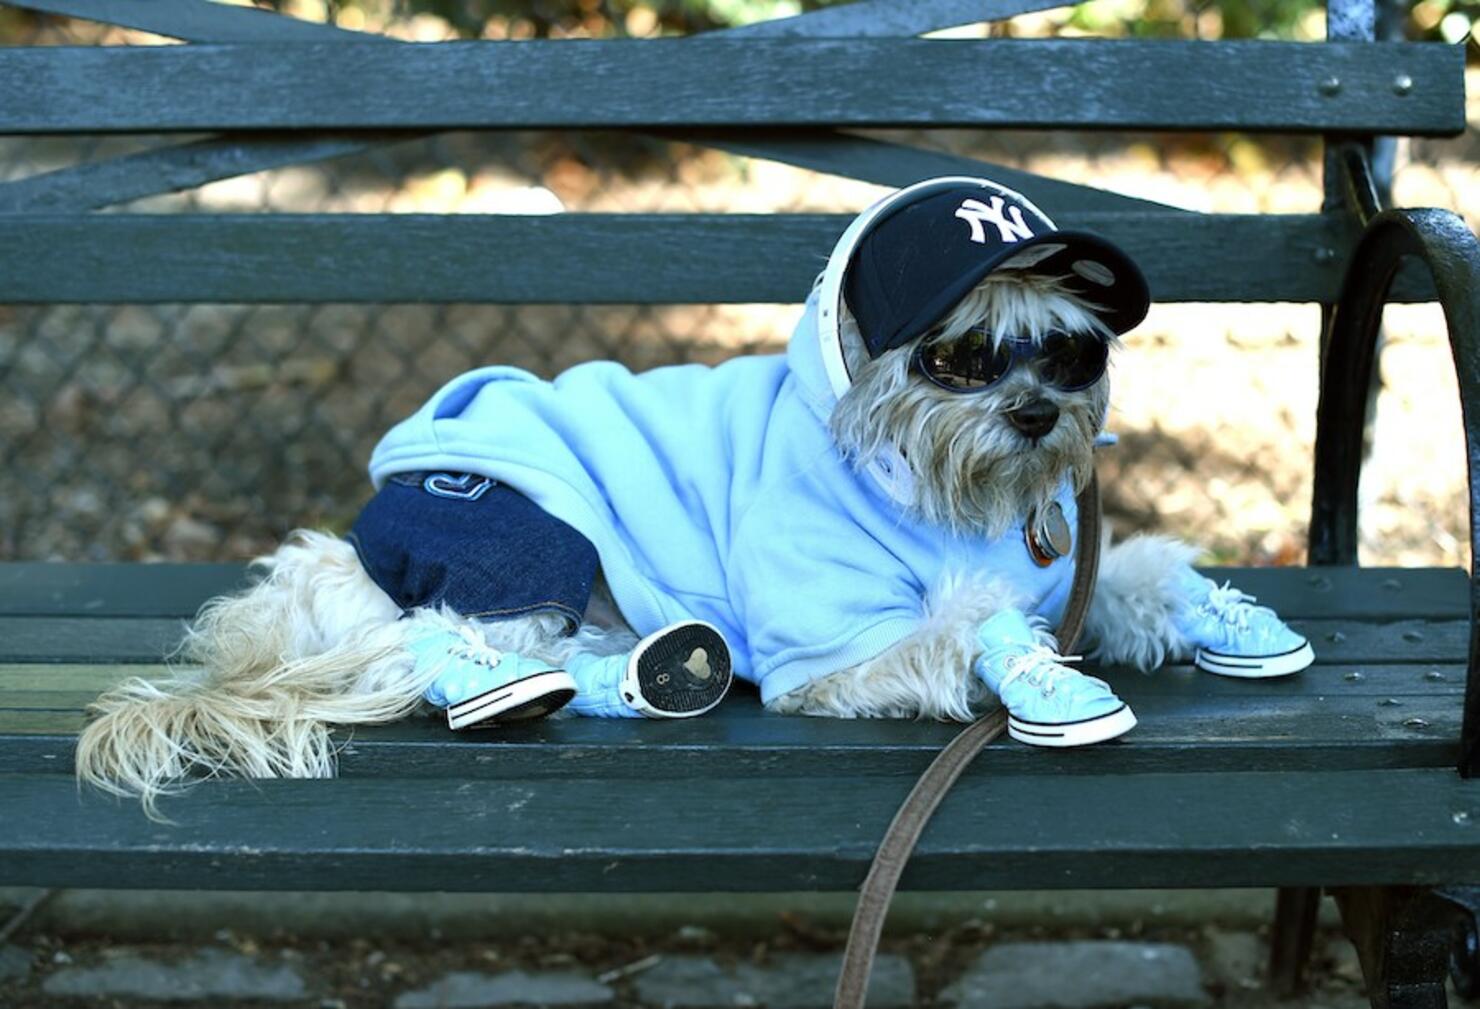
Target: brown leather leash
899 840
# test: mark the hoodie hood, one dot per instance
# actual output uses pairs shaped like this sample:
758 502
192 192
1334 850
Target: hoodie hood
821 379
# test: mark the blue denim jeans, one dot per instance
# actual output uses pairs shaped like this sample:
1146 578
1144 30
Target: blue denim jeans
476 545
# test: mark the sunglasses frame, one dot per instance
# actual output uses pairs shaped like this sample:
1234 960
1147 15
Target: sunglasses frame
1022 349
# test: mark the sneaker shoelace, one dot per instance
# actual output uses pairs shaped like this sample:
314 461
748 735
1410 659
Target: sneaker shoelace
1232 607
1041 666
475 649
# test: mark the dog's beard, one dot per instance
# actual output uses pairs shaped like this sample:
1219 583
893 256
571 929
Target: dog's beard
971 470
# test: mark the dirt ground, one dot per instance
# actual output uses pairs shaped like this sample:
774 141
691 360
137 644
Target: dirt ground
367 972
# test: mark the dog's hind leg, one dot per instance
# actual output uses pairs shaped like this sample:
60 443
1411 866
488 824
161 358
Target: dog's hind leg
313 642
1131 615
311 595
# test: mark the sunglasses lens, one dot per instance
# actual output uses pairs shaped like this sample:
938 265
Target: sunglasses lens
968 362
1072 361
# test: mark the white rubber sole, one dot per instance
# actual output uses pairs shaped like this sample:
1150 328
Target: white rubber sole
1082 733
1255 667
532 697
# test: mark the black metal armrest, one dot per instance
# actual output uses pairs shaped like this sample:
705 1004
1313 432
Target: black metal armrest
1445 245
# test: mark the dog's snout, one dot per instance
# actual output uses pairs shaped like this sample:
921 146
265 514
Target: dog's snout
1035 418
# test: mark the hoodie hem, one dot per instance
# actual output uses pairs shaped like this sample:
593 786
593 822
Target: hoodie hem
783 675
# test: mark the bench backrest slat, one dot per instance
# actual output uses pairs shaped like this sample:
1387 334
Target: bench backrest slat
582 258
1252 86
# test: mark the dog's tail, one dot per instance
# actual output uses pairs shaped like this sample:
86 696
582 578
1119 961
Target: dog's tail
307 647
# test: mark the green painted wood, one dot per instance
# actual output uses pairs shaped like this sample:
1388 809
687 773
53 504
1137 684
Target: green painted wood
114 590
885 18
623 258
1189 721
174 168
1252 86
178 590
1360 593
61 727
1368 660
995 830
63 686
200 21
177 167
195 20
1381 642
148 639
26 678
88 639
891 164
22 683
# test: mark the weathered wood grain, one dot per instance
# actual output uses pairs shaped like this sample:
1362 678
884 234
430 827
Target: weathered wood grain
88 639
995 830
64 686
177 167
177 590
1189 720
580 258
174 168
201 21
1097 84
883 18
1355 593
113 590
891 164
194 20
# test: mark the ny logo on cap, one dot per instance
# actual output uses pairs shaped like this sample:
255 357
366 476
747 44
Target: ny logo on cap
974 212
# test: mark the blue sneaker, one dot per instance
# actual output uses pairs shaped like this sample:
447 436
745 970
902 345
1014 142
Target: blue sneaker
678 671
1048 704
479 685
1233 636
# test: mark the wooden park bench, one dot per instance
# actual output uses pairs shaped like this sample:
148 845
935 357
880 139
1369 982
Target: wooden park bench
1352 777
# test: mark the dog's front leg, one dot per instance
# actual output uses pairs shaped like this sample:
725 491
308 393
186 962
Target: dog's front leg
928 674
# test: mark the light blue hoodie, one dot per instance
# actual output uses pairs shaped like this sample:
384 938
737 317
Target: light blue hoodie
717 494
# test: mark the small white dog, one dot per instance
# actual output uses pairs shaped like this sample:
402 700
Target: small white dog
876 524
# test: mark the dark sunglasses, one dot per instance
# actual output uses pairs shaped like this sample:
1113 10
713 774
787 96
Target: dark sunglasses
974 362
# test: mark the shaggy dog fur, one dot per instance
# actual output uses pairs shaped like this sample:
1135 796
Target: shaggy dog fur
316 643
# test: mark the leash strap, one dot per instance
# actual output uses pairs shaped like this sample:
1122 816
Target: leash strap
904 831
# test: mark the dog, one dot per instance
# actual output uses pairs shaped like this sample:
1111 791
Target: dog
875 524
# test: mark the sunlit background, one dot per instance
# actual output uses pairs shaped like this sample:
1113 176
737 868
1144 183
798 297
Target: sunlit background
205 432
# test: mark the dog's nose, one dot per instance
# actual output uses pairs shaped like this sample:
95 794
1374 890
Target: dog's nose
1034 418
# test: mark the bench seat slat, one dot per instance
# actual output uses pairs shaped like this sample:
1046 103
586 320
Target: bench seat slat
177 590
25 686
1050 83
146 640
996 830
1189 721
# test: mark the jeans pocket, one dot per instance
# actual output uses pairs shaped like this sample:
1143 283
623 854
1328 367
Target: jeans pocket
457 486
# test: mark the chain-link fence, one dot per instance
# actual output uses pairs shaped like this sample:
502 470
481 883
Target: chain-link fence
207 431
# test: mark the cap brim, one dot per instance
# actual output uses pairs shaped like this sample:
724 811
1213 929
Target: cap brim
1092 267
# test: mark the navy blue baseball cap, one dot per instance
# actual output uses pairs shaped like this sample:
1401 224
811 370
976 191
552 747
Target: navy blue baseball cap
914 264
